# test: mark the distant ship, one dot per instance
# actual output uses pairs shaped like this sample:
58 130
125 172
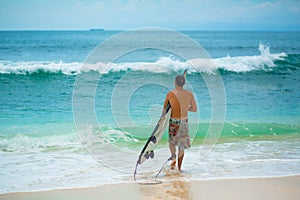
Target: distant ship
96 29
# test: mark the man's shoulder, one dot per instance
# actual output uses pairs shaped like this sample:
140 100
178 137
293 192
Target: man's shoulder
173 93
188 92
170 93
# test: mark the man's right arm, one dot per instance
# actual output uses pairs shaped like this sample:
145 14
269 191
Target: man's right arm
193 106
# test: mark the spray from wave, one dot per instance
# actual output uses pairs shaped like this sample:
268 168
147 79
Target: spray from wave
264 61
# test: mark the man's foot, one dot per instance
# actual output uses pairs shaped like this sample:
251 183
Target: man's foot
173 164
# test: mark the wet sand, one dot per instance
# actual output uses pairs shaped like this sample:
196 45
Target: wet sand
250 188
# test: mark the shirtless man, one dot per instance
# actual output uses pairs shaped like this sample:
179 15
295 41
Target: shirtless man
181 102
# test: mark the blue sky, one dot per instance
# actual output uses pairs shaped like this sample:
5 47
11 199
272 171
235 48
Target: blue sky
129 14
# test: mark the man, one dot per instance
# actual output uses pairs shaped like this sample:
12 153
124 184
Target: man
181 102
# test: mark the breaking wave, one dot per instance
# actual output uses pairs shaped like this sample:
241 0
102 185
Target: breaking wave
240 64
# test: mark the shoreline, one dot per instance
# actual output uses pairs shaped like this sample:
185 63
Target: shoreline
284 187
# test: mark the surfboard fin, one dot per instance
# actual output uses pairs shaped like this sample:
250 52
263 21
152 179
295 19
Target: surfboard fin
149 154
153 139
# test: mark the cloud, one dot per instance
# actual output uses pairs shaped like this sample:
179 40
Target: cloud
265 5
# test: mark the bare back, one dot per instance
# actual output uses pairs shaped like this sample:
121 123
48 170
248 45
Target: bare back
181 102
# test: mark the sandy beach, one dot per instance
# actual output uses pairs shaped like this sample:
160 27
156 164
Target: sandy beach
251 188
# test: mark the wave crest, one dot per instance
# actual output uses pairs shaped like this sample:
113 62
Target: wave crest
264 61
27 143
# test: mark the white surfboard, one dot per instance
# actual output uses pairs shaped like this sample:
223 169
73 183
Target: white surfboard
157 133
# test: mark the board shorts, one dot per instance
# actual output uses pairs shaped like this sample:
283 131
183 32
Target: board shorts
179 133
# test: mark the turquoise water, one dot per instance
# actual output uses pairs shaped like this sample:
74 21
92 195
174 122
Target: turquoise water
38 70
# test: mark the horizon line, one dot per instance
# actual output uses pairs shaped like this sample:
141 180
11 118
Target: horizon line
204 30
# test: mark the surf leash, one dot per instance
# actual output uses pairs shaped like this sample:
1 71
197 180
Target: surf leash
169 159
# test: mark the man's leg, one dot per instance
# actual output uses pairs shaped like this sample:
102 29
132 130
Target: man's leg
180 157
173 154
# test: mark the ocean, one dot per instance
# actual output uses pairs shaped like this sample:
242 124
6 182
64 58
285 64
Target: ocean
54 136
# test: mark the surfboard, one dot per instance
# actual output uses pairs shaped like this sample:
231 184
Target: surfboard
155 137
157 133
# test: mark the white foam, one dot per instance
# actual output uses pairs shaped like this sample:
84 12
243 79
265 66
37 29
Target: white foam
25 143
69 169
57 142
264 61
8 67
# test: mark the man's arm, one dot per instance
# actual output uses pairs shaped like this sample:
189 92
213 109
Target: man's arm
166 102
193 106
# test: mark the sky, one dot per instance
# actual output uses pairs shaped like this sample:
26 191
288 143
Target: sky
271 15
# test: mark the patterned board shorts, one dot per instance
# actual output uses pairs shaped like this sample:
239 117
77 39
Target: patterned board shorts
179 133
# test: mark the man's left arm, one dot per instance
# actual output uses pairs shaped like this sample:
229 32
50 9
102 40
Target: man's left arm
166 102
